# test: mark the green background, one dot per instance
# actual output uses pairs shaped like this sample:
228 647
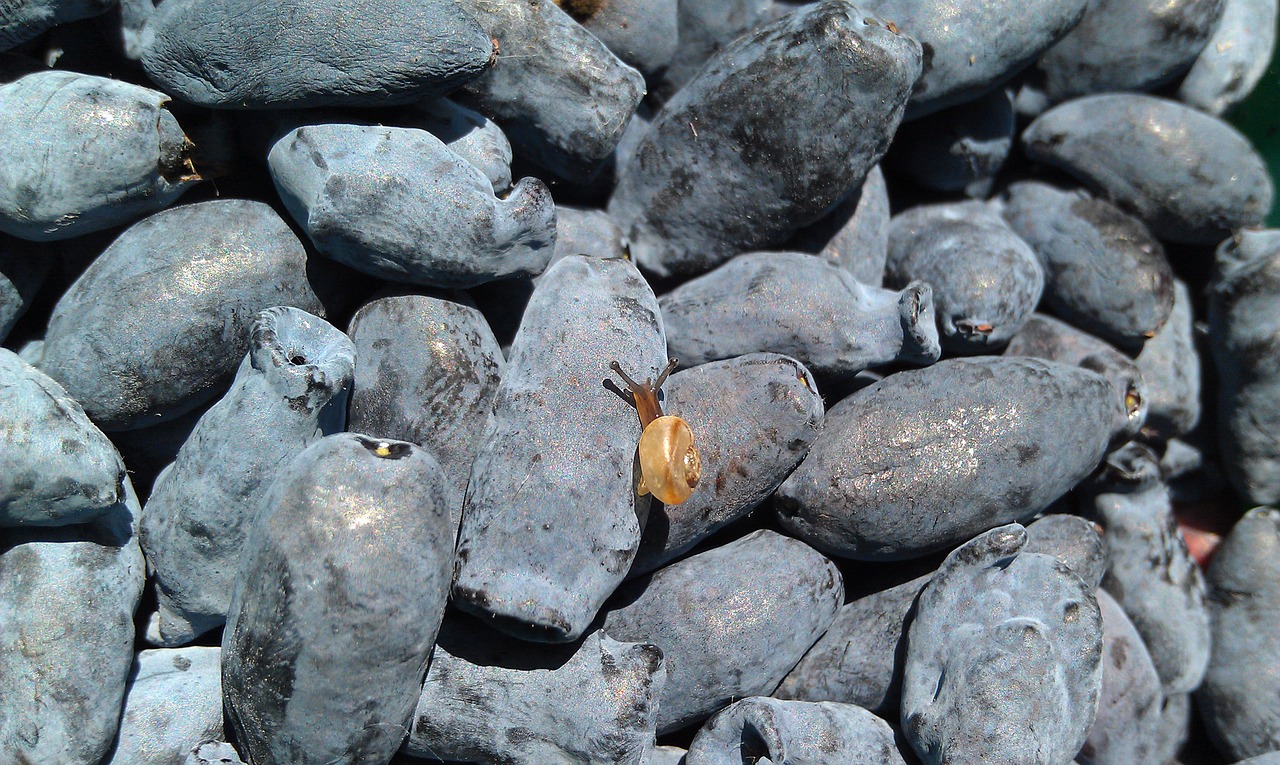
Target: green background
1259 118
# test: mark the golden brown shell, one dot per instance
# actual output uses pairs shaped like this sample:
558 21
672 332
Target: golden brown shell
669 463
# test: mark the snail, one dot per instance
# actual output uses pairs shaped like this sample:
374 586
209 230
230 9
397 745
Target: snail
669 463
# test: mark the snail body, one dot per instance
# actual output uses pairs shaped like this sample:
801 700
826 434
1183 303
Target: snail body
670 466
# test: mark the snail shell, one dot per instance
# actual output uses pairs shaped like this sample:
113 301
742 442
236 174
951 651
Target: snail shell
669 463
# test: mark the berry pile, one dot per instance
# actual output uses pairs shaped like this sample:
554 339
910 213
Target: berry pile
622 382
